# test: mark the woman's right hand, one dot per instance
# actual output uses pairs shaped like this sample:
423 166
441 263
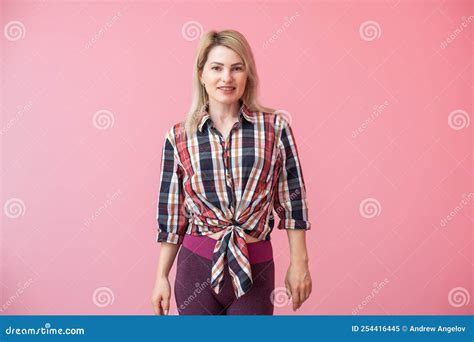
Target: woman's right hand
160 298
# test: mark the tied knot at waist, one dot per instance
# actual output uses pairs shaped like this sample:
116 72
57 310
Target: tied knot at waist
231 248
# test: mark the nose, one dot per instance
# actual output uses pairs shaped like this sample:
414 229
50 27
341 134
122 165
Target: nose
226 76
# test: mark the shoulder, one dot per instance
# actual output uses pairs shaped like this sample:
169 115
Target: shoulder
282 118
175 132
278 121
278 118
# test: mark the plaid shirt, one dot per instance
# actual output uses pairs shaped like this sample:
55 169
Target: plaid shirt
209 184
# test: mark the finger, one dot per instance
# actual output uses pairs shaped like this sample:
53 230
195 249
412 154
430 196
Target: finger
307 291
156 305
296 299
165 304
160 308
288 291
307 294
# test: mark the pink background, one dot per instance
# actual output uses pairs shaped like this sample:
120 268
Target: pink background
381 114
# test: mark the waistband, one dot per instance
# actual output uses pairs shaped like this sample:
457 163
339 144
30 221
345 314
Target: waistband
259 251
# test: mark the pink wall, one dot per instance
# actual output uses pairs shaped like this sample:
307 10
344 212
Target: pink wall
380 98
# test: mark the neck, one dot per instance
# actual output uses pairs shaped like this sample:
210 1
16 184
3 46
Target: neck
223 112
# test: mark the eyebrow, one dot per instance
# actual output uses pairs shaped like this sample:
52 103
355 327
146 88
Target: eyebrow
223 64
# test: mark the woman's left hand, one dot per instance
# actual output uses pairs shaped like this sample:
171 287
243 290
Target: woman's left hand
298 283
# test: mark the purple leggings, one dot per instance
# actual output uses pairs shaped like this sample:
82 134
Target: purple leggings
193 292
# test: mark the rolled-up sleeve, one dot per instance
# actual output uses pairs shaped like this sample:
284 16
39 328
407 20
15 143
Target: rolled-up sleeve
172 214
290 202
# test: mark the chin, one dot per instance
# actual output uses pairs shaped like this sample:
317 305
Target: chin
226 99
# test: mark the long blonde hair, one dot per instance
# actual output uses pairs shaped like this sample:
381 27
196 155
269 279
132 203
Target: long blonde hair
233 40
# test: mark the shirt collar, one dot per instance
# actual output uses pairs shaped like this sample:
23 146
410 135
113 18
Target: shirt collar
243 111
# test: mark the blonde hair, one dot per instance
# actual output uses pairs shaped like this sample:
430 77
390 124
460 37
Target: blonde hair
233 40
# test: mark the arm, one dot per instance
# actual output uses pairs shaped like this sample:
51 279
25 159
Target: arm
172 220
298 278
161 294
291 206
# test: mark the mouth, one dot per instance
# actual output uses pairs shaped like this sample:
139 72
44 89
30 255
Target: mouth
226 90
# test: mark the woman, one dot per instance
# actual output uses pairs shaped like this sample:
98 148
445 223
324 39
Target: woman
223 171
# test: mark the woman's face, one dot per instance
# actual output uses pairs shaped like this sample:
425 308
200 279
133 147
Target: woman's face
224 68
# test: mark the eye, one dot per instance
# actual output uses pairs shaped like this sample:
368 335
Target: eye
238 68
214 67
